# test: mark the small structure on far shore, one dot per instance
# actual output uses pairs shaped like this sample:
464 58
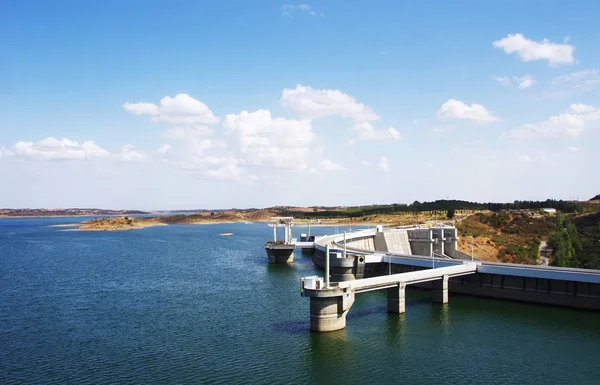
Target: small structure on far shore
281 251
548 210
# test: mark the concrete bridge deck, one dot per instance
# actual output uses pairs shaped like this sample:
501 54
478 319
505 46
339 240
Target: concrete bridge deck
330 303
419 276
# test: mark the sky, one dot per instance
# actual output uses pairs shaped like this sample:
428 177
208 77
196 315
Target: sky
238 104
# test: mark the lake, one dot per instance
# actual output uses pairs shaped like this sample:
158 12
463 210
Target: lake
181 304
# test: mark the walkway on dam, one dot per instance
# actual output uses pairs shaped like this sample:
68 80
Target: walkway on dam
387 281
329 304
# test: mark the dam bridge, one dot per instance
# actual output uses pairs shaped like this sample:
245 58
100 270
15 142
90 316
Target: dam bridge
391 259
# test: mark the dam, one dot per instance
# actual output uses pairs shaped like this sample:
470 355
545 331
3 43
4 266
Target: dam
426 257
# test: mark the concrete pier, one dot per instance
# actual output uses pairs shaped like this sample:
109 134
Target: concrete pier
329 313
329 305
440 290
281 251
396 299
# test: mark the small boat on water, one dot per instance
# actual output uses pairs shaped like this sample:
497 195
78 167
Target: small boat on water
226 234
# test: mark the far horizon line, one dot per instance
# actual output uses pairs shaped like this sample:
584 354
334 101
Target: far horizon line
284 206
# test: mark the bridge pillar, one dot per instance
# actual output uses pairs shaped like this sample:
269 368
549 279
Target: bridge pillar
328 312
396 299
440 290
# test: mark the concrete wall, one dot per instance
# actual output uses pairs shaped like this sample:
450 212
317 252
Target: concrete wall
397 241
579 295
365 243
420 241
380 244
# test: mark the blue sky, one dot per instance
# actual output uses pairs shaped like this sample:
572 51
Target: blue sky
193 104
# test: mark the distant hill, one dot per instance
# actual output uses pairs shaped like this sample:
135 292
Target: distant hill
596 198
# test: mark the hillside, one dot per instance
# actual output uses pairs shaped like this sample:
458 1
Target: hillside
505 236
588 230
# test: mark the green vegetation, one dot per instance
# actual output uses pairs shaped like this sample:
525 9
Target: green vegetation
438 207
565 243
588 231
451 213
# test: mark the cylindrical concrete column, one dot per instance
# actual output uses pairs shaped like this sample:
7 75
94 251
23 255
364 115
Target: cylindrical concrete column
440 290
396 299
325 315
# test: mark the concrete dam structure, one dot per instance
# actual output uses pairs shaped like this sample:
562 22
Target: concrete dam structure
399 256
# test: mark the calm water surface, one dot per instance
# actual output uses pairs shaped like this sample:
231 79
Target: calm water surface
181 304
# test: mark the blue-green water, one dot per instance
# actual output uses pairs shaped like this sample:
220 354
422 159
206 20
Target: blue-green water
181 304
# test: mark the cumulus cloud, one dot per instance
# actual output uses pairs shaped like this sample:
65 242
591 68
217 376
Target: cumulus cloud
529 50
525 81
312 103
264 140
130 154
327 165
65 149
58 149
186 133
383 164
571 123
365 131
181 109
164 149
227 169
455 109
5 152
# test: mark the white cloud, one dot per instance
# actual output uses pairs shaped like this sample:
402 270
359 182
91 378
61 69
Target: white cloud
258 129
503 80
365 131
581 108
312 103
129 154
228 169
573 148
573 122
455 109
141 108
5 152
327 165
529 50
262 140
537 158
383 164
288 10
525 81
585 80
182 109
186 133
164 149
58 149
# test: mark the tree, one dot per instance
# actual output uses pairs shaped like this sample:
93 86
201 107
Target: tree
565 244
451 213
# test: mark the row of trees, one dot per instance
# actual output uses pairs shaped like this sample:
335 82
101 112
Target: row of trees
445 206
